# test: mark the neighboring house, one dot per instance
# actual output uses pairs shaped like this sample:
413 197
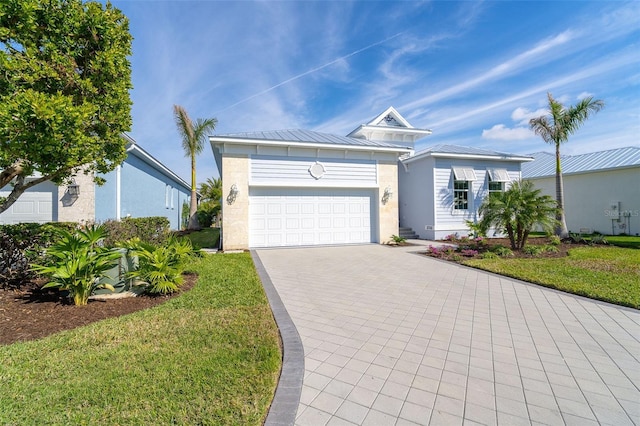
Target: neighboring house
443 186
601 189
299 187
141 186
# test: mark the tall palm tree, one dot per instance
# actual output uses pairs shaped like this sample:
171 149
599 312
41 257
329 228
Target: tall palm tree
516 211
193 137
555 128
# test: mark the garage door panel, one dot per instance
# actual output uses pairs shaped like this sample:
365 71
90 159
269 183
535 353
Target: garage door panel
293 217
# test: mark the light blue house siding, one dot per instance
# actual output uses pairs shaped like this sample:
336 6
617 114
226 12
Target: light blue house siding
141 187
426 187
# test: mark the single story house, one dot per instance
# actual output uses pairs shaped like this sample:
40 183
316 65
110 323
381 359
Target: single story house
601 189
443 186
141 186
300 187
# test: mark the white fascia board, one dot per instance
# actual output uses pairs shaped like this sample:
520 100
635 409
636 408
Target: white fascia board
467 157
253 142
134 148
394 129
287 184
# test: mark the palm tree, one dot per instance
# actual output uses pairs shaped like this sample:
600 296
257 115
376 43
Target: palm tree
516 211
193 137
210 202
211 190
555 128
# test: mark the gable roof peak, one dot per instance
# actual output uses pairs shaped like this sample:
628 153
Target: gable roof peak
389 126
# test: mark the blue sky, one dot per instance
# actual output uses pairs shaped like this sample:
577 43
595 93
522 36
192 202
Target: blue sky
473 72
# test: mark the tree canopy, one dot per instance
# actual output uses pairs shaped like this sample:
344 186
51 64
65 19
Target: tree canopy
193 137
64 91
555 129
516 211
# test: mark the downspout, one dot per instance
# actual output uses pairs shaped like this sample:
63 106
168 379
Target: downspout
118 192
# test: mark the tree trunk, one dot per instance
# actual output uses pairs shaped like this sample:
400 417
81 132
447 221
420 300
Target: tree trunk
561 227
193 207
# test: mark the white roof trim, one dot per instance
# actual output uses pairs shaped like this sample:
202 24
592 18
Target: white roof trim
498 175
464 173
221 140
467 157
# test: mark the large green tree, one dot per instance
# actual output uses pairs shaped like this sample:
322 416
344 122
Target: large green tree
516 211
210 201
555 128
193 138
64 91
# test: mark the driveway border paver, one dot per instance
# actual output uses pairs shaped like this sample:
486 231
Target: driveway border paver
287 396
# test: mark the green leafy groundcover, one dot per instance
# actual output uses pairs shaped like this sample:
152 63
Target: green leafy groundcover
611 274
210 356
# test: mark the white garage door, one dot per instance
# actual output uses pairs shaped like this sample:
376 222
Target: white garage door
32 206
302 217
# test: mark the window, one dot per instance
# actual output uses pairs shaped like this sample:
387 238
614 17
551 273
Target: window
460 194
167 194
497 178
461 178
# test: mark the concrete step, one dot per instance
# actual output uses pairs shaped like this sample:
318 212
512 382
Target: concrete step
408 233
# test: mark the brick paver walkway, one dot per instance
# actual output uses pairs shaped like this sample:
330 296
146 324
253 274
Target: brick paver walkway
391 337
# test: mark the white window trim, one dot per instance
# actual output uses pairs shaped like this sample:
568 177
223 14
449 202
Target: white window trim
167 190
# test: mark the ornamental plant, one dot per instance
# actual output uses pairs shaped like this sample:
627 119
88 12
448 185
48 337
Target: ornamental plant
160 267
79 261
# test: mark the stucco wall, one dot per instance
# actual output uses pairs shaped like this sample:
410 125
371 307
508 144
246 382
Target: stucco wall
235 214
388 212
589 198
79 209
144 192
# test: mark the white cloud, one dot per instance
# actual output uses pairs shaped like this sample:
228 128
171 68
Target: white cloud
584 95
522 115
501 132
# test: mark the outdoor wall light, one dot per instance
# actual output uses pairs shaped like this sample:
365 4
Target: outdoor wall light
387 195
233 193
73 189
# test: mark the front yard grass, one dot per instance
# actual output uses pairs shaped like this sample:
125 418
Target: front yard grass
210 356
611 274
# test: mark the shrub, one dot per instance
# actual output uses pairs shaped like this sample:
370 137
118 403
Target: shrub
469 253
398 239
23 244
80 260
489 255
599 239
150 230
160 267
554 240
502 251
532 250
442 252
550 248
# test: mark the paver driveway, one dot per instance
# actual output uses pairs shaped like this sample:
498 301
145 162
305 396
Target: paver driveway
391 337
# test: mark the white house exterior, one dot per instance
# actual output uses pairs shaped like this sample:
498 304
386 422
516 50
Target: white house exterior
302 188
601 189
443 186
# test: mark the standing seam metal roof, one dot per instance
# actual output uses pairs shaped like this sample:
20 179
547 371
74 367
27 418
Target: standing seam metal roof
464 150
544 162
298 135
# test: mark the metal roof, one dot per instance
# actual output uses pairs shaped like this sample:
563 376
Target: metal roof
308 136
465 151
544 163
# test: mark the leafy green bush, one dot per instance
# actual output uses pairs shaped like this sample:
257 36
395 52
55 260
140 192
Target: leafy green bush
150 230
598 239
160 267
554 240
489 255
532 250
502 251
80 261
398 239
550 248
23 244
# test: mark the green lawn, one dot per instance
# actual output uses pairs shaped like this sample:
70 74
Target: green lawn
624 241
210 356
605 273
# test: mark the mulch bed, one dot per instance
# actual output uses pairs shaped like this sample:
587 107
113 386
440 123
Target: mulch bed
32 313
563 248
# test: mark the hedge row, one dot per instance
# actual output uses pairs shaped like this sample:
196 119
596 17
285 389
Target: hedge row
25 243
